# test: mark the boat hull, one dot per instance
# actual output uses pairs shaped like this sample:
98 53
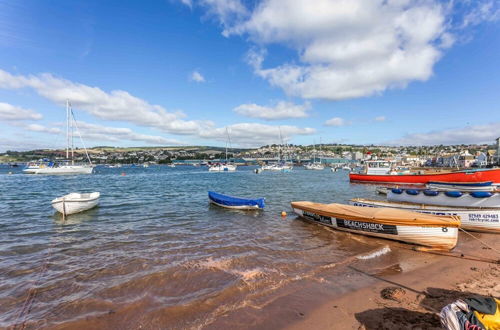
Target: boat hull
460 176
465 200
236 203
483 220
64 170
444 238
70 205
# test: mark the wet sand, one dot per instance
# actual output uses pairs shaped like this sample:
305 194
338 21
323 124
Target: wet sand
411 299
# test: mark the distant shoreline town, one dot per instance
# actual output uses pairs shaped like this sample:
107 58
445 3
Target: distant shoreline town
461 156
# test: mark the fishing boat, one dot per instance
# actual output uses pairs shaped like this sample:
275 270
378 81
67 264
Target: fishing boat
384 172
76 202
476 219
462 186
235 202
68 166
226 166
445 198
439 232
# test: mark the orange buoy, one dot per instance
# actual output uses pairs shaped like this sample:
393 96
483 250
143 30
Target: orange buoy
283 214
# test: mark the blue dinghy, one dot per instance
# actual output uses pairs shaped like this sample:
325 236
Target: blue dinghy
235 202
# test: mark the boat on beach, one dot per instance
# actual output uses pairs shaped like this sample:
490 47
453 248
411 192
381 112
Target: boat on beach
445 198
475 219
439 232
238 203
76 202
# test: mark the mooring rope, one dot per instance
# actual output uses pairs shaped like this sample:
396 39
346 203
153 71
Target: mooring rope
480 241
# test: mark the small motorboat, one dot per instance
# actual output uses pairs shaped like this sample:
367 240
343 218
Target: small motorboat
438 232
454 198
475 219
235 202
76 202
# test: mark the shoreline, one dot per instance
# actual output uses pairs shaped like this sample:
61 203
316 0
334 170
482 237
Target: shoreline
413 298
355 300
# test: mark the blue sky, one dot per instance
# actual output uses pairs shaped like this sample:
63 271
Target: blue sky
180 72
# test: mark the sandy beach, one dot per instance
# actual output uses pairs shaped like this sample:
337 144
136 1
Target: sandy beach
411 300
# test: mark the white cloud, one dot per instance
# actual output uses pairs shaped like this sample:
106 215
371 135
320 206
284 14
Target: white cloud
487 11
42 129
188 3
470 134
350 48
197 77
228 12
254 134
380 118
336 121
116 105
11 112
281 110
117 134
120 105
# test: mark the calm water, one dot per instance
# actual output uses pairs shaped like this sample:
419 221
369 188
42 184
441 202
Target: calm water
155 254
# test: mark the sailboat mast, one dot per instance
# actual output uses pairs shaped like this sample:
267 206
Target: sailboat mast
67 129
72 135
227 141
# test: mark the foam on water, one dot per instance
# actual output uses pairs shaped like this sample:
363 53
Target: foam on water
375 254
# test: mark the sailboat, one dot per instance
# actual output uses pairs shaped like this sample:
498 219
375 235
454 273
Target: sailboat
68 166
315 165
223 167
283 165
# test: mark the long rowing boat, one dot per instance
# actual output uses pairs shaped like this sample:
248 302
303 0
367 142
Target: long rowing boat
476 219
440 232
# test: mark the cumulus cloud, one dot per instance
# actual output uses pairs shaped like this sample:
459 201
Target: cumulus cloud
11 112
380 118
348 48
117 105
470 134
336 121
282 110
254 134
42 129
121 106
117 134
197 77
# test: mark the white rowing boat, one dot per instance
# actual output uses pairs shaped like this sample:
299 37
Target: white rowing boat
439 232
76 202
476 219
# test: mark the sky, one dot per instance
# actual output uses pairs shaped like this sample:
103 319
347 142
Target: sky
185 72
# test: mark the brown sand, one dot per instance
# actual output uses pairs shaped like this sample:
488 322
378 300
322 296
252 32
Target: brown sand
411 300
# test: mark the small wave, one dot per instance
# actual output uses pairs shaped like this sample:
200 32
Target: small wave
375 254
224 264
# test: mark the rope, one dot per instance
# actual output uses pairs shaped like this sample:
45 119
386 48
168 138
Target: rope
480 241
32 292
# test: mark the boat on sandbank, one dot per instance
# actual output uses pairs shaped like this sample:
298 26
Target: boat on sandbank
437 232
474 219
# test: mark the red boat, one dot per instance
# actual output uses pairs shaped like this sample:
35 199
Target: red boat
374 175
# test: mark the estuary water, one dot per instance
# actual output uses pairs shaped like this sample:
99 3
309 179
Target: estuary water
156 254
